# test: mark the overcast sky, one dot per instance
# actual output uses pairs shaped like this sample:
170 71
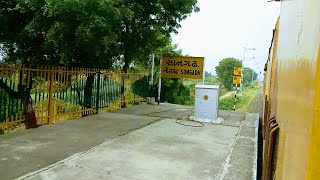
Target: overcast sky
223 27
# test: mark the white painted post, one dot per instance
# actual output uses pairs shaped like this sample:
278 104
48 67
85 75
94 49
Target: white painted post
235 98
159 88
203 72
152 69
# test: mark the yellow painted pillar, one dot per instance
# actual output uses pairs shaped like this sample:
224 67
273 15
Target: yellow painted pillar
51 88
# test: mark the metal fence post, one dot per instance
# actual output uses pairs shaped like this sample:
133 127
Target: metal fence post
98 93
123 89
50 104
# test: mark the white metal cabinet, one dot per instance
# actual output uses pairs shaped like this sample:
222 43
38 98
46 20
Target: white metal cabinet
206 103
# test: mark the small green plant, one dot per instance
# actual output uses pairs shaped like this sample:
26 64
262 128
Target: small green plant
228 102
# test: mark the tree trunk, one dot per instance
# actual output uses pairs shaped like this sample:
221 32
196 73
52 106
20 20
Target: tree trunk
30 115
23 93
123 98
31 121
125 69
88 92
126 62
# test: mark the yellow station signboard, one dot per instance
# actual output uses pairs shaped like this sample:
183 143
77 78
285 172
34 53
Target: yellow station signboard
236 79
182 67
237 71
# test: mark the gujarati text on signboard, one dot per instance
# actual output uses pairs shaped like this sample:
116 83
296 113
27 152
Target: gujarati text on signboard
182 67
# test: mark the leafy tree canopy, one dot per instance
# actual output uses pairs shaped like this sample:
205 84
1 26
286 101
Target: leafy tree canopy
249 75
225 71
88 33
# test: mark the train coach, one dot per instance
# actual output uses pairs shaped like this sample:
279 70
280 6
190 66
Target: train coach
291 118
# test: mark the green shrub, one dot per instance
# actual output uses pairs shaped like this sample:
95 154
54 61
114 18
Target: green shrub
174 91
228 102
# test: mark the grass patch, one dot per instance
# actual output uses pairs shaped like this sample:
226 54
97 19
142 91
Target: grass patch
244 102
227 103
211 80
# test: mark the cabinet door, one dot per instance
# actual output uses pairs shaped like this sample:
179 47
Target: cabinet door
206 103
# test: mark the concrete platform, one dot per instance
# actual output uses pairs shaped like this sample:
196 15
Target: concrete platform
29 150
162 149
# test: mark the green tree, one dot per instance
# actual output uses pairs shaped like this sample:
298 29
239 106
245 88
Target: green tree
87 33
172 90
225 71
146 26
90 33
249 75
75 33
53 32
